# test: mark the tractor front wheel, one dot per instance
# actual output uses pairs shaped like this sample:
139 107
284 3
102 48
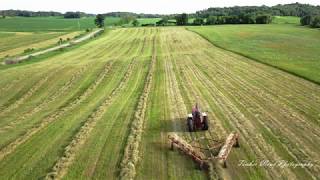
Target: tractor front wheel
190 124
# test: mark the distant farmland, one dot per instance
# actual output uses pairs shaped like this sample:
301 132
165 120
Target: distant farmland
55 24
14 43
105 108
18 34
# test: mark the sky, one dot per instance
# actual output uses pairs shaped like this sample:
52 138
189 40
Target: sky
137 6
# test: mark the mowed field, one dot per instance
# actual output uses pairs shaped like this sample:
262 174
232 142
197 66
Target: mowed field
18 34
105 110
290 47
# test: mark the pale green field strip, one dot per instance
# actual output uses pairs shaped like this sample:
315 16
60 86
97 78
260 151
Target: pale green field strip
14 43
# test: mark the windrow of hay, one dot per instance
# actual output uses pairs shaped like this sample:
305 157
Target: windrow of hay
56 115
50 99
29 93
131 153
62 165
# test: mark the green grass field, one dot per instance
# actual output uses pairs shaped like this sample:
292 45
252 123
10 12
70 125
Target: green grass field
148 20
105 109
292 48
55 24
285 20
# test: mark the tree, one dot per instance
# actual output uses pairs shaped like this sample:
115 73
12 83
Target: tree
161 22
232 20
247 19
99 21
221 20
198 21
263 19
135 22
72 15
315 23
306 20
294 9
211 20
182 19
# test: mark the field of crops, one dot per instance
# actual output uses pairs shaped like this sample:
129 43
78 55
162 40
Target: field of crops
290 47
105 109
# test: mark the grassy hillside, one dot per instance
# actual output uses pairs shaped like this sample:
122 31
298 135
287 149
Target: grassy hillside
105 109
286 20
292 48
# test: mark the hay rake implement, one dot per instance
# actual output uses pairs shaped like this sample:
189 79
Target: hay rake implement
217 151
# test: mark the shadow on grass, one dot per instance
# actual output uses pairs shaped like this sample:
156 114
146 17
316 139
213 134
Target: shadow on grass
174 125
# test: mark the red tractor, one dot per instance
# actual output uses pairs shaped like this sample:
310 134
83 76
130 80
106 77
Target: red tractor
197 120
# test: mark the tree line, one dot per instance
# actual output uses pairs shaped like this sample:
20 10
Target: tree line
72 15
183 19
130 14
311 20
23 13
29 13
295 9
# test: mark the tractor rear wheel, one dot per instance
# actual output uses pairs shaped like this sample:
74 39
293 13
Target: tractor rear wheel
205 123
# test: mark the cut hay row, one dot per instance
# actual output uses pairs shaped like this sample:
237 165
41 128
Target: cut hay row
61 112
108 111
54 137
206 83
276 120
271 117
20 78
56 115
178 104
62 131
240 129
28 94
61 166
284 92
131 152
224 103
68 85
243 95
93 160
193 96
